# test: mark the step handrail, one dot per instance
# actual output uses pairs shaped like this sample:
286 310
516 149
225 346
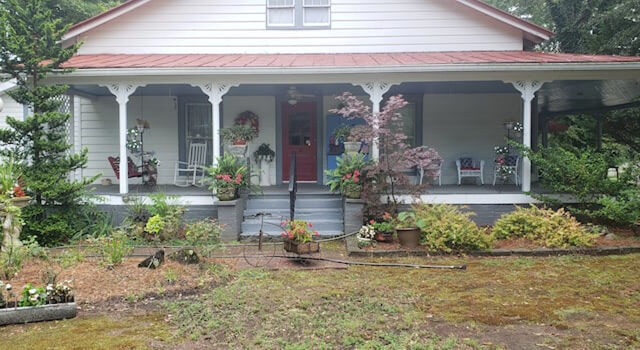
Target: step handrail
293 187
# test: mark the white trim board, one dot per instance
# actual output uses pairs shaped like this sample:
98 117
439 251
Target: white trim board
180 200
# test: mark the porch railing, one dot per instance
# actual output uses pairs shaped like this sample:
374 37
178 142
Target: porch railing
293 187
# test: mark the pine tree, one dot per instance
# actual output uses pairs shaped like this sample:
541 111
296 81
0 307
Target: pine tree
30 50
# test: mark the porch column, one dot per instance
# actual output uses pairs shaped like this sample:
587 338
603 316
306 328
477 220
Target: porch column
215 91
122 92
376 91
528 91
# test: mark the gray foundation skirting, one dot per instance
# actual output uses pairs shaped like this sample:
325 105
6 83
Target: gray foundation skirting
192 212
354 250
38 313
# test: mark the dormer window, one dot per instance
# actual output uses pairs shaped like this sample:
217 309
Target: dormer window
298 14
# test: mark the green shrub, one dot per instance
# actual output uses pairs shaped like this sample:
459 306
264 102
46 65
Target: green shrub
11 260
553 228
32 296
155 225
203 232
113 249
159 220
624 208
446 228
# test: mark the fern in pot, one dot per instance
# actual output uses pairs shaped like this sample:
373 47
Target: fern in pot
263 156
237 137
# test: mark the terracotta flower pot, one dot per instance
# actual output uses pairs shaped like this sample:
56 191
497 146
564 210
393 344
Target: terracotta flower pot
226 194
408 237
384 237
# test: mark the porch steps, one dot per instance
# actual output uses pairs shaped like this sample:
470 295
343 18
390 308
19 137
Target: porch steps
323 210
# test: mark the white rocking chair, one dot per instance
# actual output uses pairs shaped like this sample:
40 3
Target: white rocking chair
467 167
436 174
513 164
196 161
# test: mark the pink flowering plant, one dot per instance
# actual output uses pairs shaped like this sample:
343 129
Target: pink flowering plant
389 175
300 231
229 173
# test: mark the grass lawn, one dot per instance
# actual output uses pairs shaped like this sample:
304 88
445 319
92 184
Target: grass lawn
514 303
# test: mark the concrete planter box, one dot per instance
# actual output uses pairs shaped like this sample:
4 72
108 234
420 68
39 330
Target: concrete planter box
30 314
353 214
230 216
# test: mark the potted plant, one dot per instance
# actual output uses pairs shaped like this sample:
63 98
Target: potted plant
366 236
348 177
298 237
353 143
237 137
35 304
407 230
264 155
227 177
352 185
384 228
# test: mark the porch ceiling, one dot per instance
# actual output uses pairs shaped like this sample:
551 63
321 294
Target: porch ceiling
557 97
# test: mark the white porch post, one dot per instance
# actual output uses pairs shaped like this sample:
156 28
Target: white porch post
528 91
215 91
122 92
376 91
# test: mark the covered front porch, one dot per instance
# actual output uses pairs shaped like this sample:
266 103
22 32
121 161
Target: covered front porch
462 115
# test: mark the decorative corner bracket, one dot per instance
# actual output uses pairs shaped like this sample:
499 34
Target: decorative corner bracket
122 91
376 90
527 88
216 90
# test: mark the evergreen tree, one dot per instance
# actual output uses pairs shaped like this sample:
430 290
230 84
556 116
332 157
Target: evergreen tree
30 50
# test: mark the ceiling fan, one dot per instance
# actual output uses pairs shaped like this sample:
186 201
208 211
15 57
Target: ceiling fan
294 96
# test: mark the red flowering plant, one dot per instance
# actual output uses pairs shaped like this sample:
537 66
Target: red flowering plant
298 230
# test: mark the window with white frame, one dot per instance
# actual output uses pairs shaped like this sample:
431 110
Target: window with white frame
298 14
281 13
316 13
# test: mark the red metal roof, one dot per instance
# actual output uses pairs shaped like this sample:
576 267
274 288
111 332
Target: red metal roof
333 60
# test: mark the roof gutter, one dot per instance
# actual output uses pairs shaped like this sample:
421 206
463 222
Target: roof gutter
437 68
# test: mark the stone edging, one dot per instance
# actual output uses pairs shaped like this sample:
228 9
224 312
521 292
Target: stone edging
53 312
354 250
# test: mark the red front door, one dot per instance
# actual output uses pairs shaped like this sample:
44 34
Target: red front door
299 135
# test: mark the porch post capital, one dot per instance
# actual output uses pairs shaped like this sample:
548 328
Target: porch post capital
376 90
527 88
123 90
215 90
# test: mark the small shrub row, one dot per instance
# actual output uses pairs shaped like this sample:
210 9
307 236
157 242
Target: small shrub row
447 228
552 228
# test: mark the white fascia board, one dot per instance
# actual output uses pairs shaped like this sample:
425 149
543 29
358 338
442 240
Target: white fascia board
507 19
509 68
102 19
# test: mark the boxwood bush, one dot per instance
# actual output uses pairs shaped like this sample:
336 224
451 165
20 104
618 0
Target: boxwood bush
552 228
446 228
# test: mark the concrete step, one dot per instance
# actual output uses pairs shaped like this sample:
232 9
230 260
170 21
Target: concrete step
253 226
308 214
277 235
325 202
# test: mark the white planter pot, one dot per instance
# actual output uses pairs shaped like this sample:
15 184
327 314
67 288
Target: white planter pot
265 173
237 150
351 147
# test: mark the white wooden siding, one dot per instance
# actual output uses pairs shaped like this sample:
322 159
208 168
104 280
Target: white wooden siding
11 109
239 26
265 108
100 133
468 125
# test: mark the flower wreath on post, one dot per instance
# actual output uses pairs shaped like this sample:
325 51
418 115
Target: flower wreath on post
250 118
